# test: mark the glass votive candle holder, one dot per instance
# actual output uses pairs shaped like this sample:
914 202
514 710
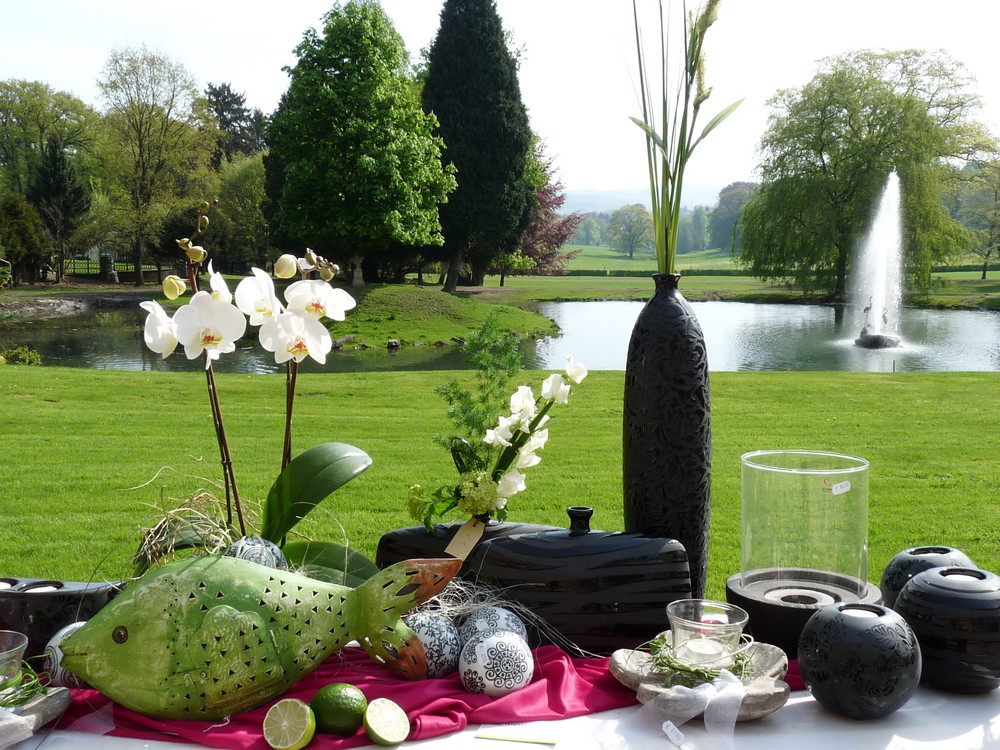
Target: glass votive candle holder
12 646
705 633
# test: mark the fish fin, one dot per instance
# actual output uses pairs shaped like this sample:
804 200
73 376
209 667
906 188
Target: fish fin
377 605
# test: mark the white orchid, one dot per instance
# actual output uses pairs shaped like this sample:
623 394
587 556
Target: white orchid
256 298
293 336
208 326
575 371
159 333
220 290
317 298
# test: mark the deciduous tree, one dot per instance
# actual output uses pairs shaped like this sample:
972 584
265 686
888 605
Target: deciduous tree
828 150
354 166
472 87
631 229
22 238
548 230
724 219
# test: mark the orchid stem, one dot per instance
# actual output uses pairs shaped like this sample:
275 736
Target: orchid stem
290 375
232 493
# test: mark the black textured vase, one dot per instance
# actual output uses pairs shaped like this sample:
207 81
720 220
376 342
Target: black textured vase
955 613
859 660
667 427
910 562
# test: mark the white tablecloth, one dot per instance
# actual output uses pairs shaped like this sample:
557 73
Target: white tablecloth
931 720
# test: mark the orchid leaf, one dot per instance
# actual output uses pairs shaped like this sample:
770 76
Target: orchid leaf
331 562
307 480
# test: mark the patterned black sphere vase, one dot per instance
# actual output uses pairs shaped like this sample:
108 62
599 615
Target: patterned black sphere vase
667 427
859 660
955 613
910 562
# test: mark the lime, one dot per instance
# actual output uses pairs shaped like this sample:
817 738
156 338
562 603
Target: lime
339 708
289 725
386 723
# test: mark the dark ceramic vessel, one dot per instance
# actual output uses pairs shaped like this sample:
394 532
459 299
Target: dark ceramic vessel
955 613
667 427
859 660
915 560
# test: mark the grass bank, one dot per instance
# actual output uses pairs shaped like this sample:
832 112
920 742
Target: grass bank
88 455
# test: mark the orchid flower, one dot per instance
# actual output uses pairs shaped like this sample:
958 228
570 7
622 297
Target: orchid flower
317 298
293 336
159 333
220 290
575 371
256 298
210 326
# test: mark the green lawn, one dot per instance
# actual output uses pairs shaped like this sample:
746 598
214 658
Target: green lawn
88 455
601 259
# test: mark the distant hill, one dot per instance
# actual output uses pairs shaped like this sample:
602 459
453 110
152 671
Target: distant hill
586 201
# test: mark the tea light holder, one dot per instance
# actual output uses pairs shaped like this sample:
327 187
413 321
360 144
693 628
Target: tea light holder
12 646
705 633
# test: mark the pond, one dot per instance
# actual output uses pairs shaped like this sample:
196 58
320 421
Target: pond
739 336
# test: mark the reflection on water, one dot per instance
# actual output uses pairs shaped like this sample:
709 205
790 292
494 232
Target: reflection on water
740 336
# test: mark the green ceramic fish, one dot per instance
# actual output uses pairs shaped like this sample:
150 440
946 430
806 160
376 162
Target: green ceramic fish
207 637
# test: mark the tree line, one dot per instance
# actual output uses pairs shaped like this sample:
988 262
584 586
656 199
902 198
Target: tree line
367 159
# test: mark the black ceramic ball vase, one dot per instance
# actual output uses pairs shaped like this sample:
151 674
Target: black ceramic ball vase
955 613
861 661
915 560
667 427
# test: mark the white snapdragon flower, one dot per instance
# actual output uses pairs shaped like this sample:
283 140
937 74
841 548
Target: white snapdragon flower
319 299
555 388
159 333
510 484
526 455
522 405
209 326
255 297
293 336
575 371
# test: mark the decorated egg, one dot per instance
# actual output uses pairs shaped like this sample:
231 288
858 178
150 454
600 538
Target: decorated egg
440 640
258 550
491 618
52 660
496 663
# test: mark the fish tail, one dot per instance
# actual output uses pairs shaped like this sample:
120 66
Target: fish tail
379 603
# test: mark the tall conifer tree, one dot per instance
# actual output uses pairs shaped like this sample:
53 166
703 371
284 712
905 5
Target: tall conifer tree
472 87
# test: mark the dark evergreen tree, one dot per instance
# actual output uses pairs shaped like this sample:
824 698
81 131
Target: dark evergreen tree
472 87
60 198
22 239
235 123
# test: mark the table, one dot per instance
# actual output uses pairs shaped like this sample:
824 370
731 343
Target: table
931 720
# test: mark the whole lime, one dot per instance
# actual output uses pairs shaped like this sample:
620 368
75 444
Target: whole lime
339 708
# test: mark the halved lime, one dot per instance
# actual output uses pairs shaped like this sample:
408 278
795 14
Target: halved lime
289 725
386 723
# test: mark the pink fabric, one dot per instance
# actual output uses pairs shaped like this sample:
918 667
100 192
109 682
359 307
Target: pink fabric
562 687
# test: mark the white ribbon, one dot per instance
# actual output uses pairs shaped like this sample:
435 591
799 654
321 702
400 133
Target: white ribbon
13 728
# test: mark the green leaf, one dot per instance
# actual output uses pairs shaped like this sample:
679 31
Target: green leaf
305 483
329 561
716 121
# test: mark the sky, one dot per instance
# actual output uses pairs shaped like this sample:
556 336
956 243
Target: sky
578 67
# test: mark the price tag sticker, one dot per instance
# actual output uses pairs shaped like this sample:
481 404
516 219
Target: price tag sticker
675 735
841 487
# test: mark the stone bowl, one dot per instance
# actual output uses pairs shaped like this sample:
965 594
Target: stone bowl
766 691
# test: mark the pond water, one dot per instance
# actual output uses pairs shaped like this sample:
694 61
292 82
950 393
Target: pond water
739 336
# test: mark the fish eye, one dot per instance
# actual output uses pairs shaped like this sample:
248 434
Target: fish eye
119 634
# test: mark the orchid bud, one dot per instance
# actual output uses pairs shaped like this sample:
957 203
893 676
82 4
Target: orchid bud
202 223
184 244
286 266
311 257
174 287
196 254
335 268
326 273
205 206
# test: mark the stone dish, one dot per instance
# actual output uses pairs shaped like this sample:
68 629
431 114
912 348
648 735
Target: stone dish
766 691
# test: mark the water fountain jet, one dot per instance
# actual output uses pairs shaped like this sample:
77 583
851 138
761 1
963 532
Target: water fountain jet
877 274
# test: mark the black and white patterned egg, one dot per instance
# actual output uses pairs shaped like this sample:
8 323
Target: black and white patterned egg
258 550
52 659
440 640
490 618
496 663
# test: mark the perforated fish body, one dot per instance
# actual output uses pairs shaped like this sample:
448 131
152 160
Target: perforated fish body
208 637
